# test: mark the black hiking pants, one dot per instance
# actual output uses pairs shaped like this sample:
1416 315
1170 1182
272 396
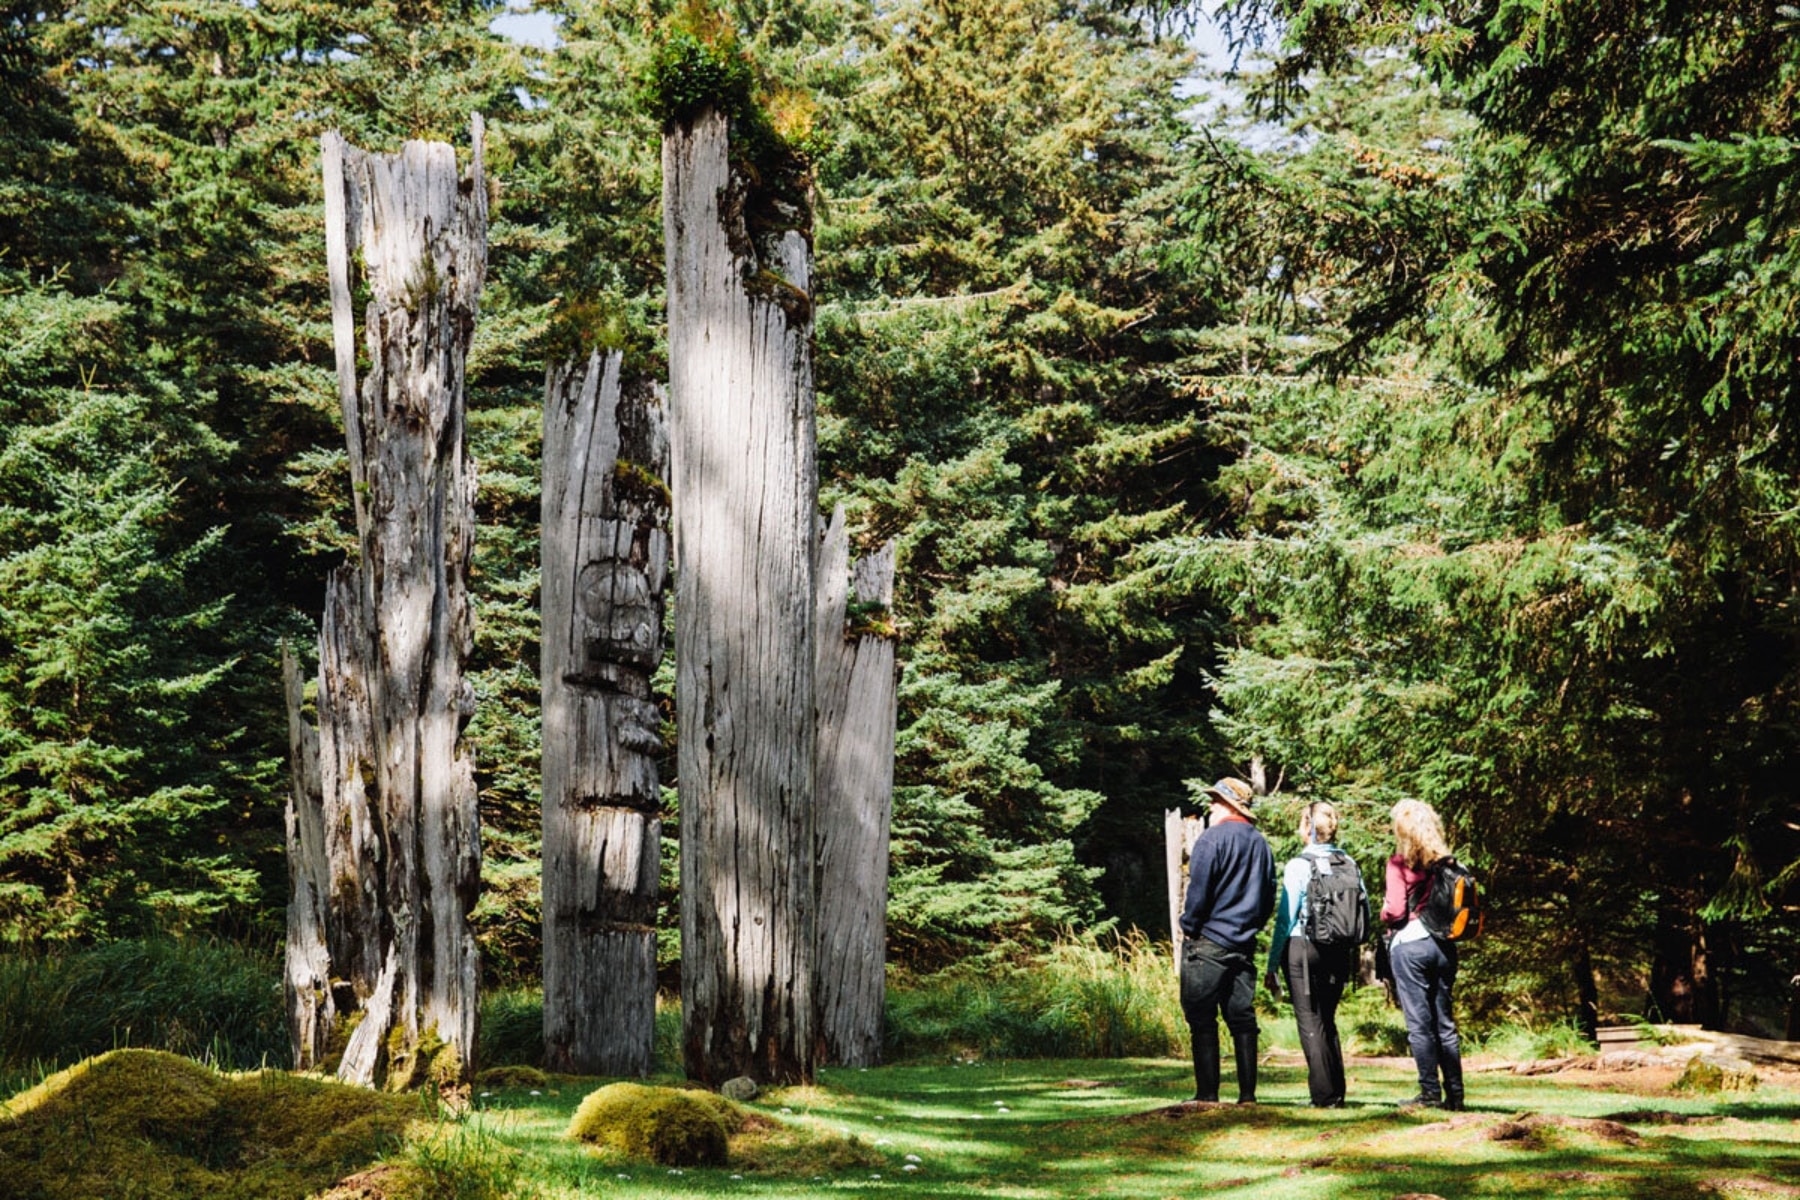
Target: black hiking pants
1215 978
1316 981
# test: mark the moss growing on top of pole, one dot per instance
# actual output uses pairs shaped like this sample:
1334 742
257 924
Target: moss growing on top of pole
699 64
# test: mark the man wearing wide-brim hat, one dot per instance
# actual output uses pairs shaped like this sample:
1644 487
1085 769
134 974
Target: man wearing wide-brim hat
1230 894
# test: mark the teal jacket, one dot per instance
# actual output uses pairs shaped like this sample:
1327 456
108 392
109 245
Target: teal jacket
1290 907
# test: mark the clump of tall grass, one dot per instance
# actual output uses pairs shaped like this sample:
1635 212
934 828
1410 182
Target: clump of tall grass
667 1047
457 1162
1084 998
512 1028
1522 1040
214 1001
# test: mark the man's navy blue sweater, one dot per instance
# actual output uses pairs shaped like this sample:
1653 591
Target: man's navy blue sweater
1231 886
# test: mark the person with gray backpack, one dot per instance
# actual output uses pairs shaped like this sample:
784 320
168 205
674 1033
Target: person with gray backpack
1321 923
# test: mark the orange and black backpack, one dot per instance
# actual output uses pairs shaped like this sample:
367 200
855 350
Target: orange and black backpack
1452 907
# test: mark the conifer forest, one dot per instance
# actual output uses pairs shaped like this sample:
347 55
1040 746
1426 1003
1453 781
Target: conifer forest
1380 400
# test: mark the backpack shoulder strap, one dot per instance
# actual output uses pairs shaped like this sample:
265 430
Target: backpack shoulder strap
1421 889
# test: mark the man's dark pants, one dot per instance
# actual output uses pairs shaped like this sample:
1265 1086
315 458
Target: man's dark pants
1424 973
1214 978
1316 982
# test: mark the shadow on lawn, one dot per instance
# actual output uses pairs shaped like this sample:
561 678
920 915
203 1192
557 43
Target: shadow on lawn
1041 1129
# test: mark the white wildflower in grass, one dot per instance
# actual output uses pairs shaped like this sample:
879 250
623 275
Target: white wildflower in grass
884 1142
881 1118
786 1109
914 1158
910 1167
737 1176
535 1092
999 1104
874 1177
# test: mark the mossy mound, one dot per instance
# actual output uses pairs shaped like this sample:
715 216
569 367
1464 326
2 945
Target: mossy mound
155 1125
1706 1073
668 1126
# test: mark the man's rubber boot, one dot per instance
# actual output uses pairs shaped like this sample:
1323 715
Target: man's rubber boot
1206 1064
1245 1046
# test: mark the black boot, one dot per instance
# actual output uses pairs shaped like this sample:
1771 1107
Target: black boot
1244 1044
1453 1097
1206 1064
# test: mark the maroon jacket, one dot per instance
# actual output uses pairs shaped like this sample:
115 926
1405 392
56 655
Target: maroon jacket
1401 881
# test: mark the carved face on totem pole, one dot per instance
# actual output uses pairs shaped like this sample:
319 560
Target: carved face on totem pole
618 643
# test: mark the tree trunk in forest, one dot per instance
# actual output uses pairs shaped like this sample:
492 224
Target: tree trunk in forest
397 785
857 695
605 569
1793 1020
1587 993
1684 987
745 490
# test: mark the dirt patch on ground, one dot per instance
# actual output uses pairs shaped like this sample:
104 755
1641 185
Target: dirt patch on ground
1222 1111
1398 1062
377 1184
1177 1112
1652 1116
1529 1128
1753 1187
1599 1127
1638 1081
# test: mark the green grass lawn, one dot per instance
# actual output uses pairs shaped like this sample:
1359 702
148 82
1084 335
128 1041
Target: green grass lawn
1050 1128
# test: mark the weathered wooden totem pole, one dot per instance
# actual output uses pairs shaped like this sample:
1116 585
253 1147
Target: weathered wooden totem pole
605 569
745 492
382 826
857 704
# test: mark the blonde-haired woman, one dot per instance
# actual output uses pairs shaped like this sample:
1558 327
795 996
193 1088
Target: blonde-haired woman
1424 967
1322 898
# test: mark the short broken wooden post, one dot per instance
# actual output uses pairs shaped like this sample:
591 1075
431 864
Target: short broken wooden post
745 491
857 705
605 569
398 793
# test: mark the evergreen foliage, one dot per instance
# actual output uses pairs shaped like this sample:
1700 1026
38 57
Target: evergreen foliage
995 343
1423 430
1541 611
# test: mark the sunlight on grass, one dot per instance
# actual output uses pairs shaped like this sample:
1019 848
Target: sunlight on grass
1037 1129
